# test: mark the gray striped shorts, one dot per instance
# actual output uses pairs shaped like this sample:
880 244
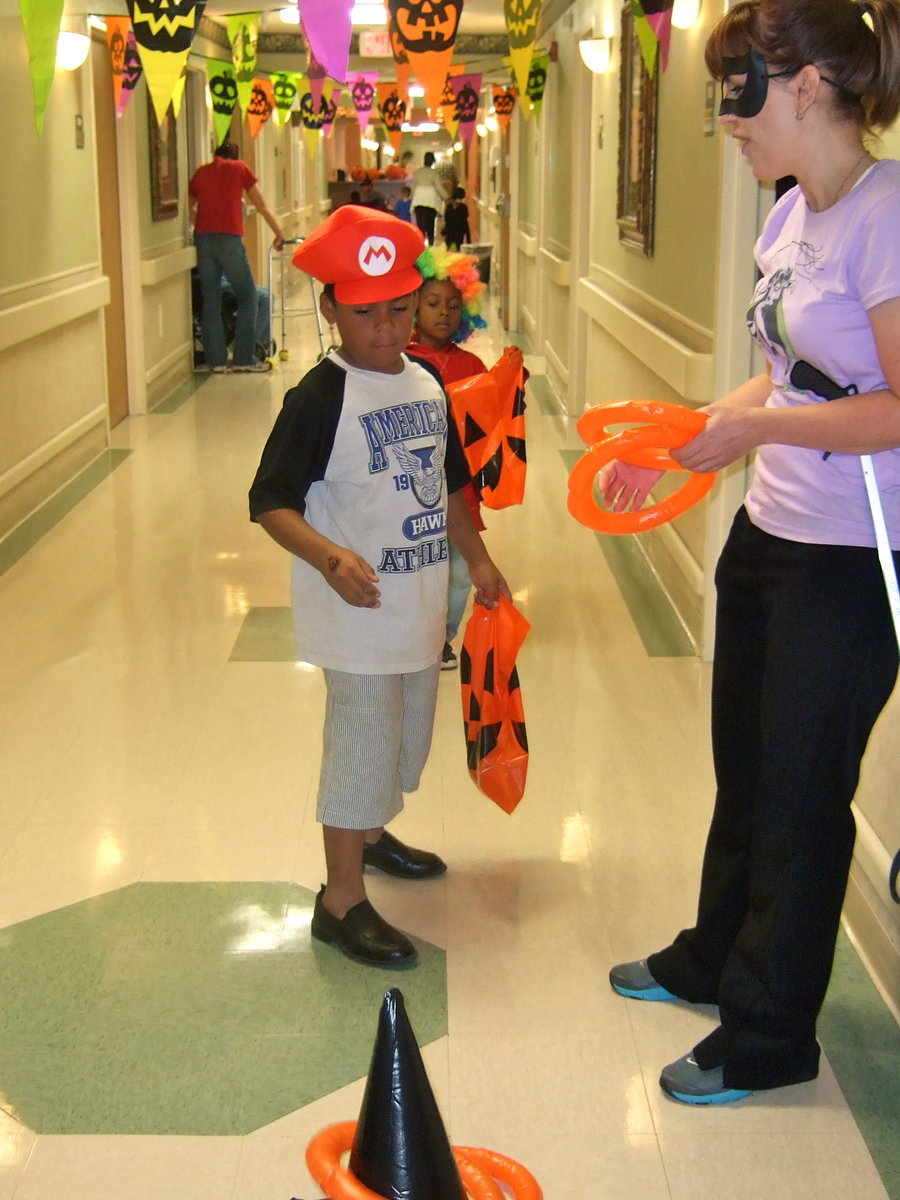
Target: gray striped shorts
375 744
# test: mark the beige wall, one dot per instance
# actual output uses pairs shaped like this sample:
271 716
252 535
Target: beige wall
52 363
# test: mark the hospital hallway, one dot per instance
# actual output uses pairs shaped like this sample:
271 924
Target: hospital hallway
170 1030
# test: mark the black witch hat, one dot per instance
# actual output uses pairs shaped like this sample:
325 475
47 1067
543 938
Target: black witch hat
401 1149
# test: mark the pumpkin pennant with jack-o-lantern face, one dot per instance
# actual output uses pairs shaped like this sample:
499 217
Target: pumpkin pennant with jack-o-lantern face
262 102
537 81
117 42
504 103
446 114
164 30
362 93
284 91
131 72
521 28
467 89
427 31
401 60
243 33
393 112
223 90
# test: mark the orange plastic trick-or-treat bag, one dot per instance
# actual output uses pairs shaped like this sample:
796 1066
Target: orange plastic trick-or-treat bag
490 414
493 715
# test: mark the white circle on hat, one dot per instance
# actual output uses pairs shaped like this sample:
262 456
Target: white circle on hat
377 255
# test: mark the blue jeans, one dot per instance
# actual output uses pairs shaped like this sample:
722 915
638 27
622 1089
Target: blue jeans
221 254
458 591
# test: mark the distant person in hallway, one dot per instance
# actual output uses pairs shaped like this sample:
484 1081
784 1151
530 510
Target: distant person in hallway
805 654
216 194
456 221
361 480
428 197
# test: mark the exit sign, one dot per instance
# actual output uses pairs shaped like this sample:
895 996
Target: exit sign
374 43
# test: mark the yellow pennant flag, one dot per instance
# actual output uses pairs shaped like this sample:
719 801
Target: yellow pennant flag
243 33
164 38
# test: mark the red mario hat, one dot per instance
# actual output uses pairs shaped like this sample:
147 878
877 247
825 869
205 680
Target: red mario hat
367 255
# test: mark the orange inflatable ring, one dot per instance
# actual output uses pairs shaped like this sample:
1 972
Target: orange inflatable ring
670 426
478 1169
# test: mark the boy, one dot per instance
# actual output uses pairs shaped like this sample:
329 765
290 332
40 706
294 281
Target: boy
403 206
354 482
456 221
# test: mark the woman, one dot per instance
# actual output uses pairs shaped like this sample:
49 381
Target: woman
428 198
805 655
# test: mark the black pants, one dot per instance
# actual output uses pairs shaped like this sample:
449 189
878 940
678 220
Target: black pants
425 219
805 661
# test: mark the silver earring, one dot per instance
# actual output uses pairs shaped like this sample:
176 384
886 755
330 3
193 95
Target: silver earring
799 115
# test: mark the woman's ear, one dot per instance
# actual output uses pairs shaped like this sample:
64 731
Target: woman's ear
806 83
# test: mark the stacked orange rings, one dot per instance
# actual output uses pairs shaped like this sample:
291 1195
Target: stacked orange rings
664 427
478 1169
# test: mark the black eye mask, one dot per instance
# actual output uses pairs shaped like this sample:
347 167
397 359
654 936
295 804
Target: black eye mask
753 96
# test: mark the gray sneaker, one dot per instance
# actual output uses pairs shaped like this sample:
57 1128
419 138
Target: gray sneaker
255 368
684 1080
634 980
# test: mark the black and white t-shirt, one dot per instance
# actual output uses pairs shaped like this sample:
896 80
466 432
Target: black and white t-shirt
367 458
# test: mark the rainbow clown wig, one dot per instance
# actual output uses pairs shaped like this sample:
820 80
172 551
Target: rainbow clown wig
437 262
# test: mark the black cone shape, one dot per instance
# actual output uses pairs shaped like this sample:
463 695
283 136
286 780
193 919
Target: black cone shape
401 1149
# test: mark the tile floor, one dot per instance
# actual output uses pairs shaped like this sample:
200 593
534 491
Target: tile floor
147 737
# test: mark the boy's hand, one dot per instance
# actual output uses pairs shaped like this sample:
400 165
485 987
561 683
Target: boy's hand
353 579
488 584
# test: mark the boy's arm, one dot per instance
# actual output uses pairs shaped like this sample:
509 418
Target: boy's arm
343 570
485 576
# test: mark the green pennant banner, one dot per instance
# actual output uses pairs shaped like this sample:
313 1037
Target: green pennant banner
41 19
243 33
223 89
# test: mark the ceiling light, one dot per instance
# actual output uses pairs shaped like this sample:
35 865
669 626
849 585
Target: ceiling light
481 130
420 127
685 13
595 54
491 123
364 13
290 16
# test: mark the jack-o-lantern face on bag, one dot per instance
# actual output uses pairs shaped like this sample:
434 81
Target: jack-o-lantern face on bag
224 93
521 21
426 25
165 25
466 103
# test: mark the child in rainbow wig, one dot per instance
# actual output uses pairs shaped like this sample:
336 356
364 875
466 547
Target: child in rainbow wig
449 312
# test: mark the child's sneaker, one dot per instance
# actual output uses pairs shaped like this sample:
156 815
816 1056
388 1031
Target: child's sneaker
449 661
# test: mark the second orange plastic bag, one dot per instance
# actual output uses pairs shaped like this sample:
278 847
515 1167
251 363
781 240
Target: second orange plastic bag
493 714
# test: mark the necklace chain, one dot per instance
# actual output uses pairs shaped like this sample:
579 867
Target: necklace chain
846 179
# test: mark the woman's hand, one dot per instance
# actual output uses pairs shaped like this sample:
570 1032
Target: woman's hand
729 434
624 487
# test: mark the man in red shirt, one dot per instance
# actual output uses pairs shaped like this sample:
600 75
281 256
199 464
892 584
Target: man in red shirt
217 191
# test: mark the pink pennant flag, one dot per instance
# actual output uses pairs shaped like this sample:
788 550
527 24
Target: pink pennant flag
468 90
328 29
362 92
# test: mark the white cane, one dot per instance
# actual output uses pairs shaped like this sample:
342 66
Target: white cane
885 557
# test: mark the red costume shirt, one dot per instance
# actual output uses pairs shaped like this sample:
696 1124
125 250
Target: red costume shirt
218 187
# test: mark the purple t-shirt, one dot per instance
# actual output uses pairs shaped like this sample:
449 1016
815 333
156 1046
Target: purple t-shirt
821 273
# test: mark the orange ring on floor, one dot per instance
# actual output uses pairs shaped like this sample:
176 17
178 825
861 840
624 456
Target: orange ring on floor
594 427
625 446
477 1169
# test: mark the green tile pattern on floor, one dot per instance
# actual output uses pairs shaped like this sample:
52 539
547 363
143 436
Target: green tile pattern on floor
180 395
266 635
16 544
189 1008
660 630
862 1040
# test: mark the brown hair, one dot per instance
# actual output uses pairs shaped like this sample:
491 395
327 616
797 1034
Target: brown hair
861 60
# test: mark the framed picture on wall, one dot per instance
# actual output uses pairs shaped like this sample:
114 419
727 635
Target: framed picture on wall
638 92
163 165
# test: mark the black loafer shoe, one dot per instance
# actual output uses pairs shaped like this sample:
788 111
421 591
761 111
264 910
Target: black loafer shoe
363 935
393 857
